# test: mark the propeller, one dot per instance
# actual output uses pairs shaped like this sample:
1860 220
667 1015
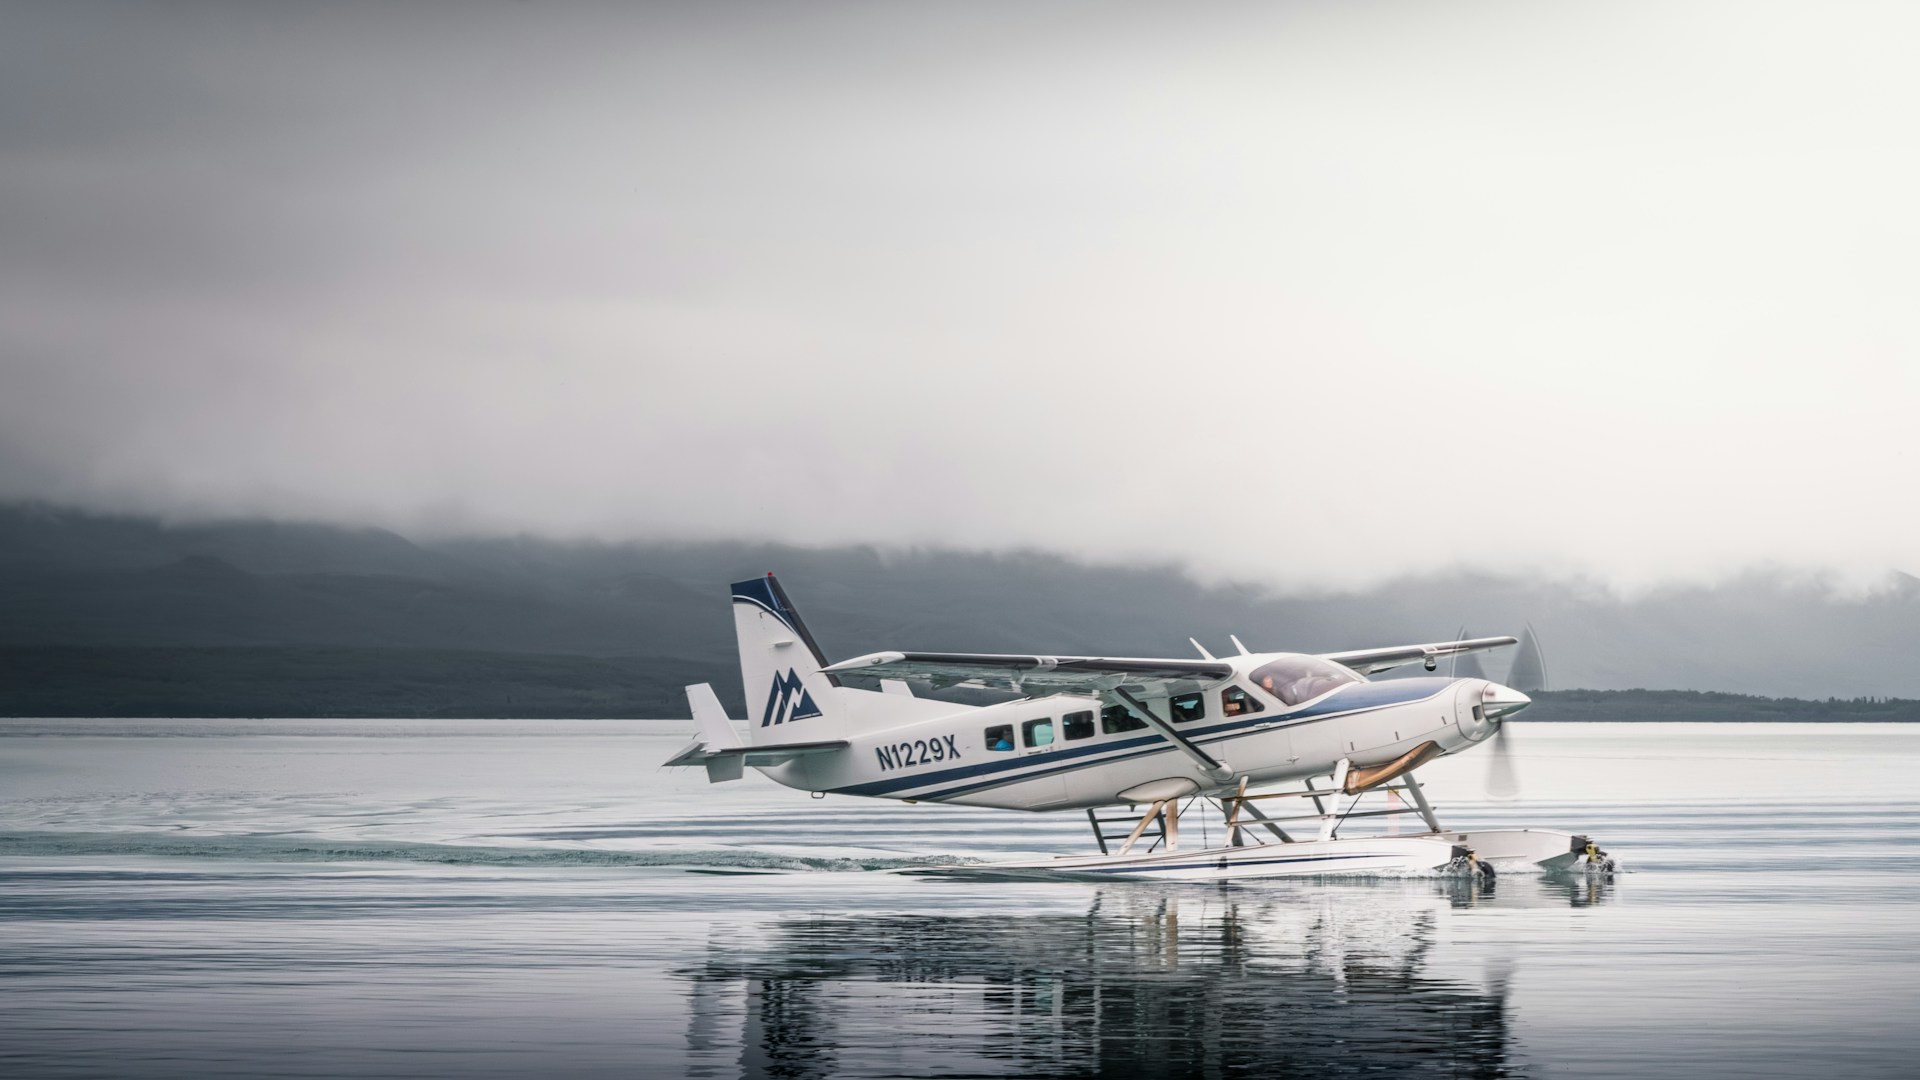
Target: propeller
1529 675
1466 665
1529 671
1503 783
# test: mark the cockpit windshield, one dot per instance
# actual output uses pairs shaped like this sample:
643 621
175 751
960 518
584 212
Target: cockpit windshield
1297 679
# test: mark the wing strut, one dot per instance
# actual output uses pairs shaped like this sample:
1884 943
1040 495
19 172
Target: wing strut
1217 769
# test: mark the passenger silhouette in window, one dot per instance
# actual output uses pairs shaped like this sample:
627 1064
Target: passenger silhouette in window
1117 718
1237 702
1299 679
1188 707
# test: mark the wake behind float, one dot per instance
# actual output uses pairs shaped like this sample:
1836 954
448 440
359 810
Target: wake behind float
1091 733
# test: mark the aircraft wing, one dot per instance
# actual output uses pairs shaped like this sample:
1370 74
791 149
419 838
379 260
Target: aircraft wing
1368 661
1010 671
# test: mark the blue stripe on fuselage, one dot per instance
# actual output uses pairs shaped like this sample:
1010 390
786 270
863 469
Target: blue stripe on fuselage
898 783
1349 699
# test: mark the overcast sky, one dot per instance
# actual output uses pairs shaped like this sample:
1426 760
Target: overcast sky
1314 292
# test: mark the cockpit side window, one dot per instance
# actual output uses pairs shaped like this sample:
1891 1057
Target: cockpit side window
1299 679
1237 702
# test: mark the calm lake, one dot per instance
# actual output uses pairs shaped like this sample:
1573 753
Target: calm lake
480 898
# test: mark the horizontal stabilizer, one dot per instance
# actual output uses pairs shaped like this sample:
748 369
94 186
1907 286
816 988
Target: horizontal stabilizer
713 737
710 723
778 754
730 763
726 760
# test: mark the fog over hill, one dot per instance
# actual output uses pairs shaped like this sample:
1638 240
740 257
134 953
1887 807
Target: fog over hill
126 614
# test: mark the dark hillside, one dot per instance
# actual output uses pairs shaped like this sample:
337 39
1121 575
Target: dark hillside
301 608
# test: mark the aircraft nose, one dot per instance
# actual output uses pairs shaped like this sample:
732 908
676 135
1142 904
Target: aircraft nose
1498 701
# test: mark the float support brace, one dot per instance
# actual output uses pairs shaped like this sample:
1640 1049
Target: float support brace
1145 820
1420 801
1268 822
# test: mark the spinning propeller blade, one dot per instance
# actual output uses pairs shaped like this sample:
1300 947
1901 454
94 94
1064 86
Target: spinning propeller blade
1466 665
1529 675
1502 783
1529 664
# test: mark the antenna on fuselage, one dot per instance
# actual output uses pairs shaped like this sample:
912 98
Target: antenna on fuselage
1204 654
1236 644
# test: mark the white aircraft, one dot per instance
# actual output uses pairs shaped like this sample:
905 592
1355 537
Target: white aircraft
1096 732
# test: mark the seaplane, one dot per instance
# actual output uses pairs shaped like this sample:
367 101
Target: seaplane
1249 736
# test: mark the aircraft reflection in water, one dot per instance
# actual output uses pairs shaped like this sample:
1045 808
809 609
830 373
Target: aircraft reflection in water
1147 984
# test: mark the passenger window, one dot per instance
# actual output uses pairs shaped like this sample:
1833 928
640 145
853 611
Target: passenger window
1000 737
1077 725
1188 708
1038 732
1237 702
1117 718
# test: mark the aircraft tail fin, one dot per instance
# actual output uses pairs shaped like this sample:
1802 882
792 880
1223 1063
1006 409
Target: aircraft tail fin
780 668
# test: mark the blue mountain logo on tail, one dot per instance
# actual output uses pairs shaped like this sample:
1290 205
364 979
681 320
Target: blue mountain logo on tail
788 700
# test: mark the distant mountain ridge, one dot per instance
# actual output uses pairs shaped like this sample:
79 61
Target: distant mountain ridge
650 617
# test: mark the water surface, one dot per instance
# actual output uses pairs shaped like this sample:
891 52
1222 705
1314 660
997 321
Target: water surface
433 898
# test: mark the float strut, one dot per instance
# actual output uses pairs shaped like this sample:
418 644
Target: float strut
1328 822
1420 801
1233 815
1145 820
1254 812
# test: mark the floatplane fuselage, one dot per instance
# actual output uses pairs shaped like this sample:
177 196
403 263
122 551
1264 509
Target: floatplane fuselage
1088 732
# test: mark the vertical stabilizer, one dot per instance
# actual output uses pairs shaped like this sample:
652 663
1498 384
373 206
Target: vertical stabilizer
780 668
